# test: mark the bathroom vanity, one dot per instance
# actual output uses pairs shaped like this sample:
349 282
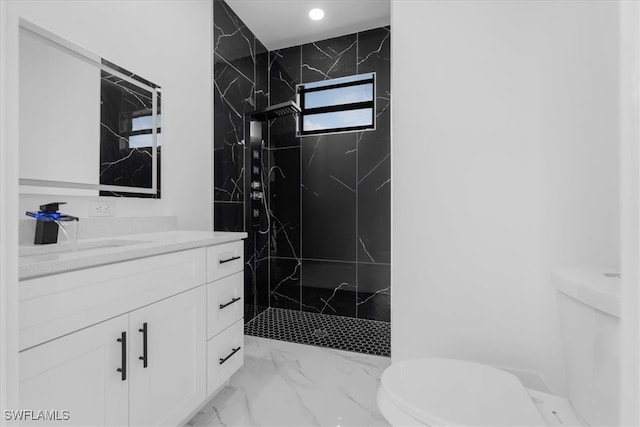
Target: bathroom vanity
133 331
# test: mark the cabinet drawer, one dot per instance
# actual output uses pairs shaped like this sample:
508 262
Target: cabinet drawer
225 303
224 260
225 355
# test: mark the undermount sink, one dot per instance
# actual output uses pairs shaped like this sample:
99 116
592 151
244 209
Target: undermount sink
63 249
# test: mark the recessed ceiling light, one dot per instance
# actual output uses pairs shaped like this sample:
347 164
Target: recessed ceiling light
316 14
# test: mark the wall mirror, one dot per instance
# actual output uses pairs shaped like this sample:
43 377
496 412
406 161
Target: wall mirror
87 126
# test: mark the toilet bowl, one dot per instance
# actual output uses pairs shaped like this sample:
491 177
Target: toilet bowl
450 392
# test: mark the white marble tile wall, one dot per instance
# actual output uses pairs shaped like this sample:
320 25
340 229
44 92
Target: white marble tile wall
288 384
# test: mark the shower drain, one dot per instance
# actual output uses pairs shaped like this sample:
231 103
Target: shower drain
320 333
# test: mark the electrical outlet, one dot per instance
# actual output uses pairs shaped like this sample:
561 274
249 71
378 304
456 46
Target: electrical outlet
102 208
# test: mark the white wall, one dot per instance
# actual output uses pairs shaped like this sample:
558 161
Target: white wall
630 218
8 219
504 165
169 43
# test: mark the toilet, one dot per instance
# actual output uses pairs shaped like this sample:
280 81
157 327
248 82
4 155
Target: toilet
451 392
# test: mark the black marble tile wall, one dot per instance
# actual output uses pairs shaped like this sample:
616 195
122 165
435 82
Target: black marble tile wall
329 287
231 101
284 73
284 202
319 239
233 41
330 242
374 153
262 75
241 84
329 59
329 197
374 291
285 278
374 194
228 216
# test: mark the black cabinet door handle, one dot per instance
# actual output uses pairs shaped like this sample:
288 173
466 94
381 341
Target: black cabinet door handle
235 350
144 357
222 261
229 303
123 370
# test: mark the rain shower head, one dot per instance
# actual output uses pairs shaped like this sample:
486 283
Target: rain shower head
278 110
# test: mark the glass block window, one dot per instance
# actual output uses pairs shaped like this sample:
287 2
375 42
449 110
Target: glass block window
337 105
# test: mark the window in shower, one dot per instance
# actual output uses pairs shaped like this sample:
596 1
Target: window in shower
338 105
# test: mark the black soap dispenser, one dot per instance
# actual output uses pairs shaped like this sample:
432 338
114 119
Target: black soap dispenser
47 222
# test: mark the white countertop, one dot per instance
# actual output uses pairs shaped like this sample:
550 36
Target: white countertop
44 260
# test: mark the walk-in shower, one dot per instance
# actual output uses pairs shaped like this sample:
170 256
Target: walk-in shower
315 204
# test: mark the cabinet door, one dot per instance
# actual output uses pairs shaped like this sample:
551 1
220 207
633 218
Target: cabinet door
173 383
78 373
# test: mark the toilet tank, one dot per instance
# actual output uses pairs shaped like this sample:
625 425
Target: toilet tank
589 313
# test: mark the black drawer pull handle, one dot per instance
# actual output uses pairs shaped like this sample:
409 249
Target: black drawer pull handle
235 350
222 261
123 370
229 303
144 357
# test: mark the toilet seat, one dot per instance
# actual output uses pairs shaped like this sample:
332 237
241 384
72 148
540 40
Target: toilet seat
449 392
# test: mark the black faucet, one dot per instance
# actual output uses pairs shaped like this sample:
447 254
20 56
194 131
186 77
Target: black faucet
47 219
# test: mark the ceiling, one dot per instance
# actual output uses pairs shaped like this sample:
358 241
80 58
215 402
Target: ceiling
284 23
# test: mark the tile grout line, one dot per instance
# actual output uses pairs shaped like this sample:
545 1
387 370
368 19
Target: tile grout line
357 236
299 143
268 204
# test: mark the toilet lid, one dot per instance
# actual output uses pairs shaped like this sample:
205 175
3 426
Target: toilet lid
458 393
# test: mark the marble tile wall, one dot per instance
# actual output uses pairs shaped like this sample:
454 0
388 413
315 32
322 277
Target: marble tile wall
321 241
329 195
240 86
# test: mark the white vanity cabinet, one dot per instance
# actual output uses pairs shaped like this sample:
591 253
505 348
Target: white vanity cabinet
225 311
152 363
77 373
173 382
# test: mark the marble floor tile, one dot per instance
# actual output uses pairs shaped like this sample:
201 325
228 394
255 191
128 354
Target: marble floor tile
289 384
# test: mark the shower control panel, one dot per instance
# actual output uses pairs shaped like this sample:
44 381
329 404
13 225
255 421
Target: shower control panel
256 195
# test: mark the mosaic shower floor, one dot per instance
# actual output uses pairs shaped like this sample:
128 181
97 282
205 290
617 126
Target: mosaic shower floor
322 330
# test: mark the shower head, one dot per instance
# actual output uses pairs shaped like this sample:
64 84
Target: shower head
278 110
